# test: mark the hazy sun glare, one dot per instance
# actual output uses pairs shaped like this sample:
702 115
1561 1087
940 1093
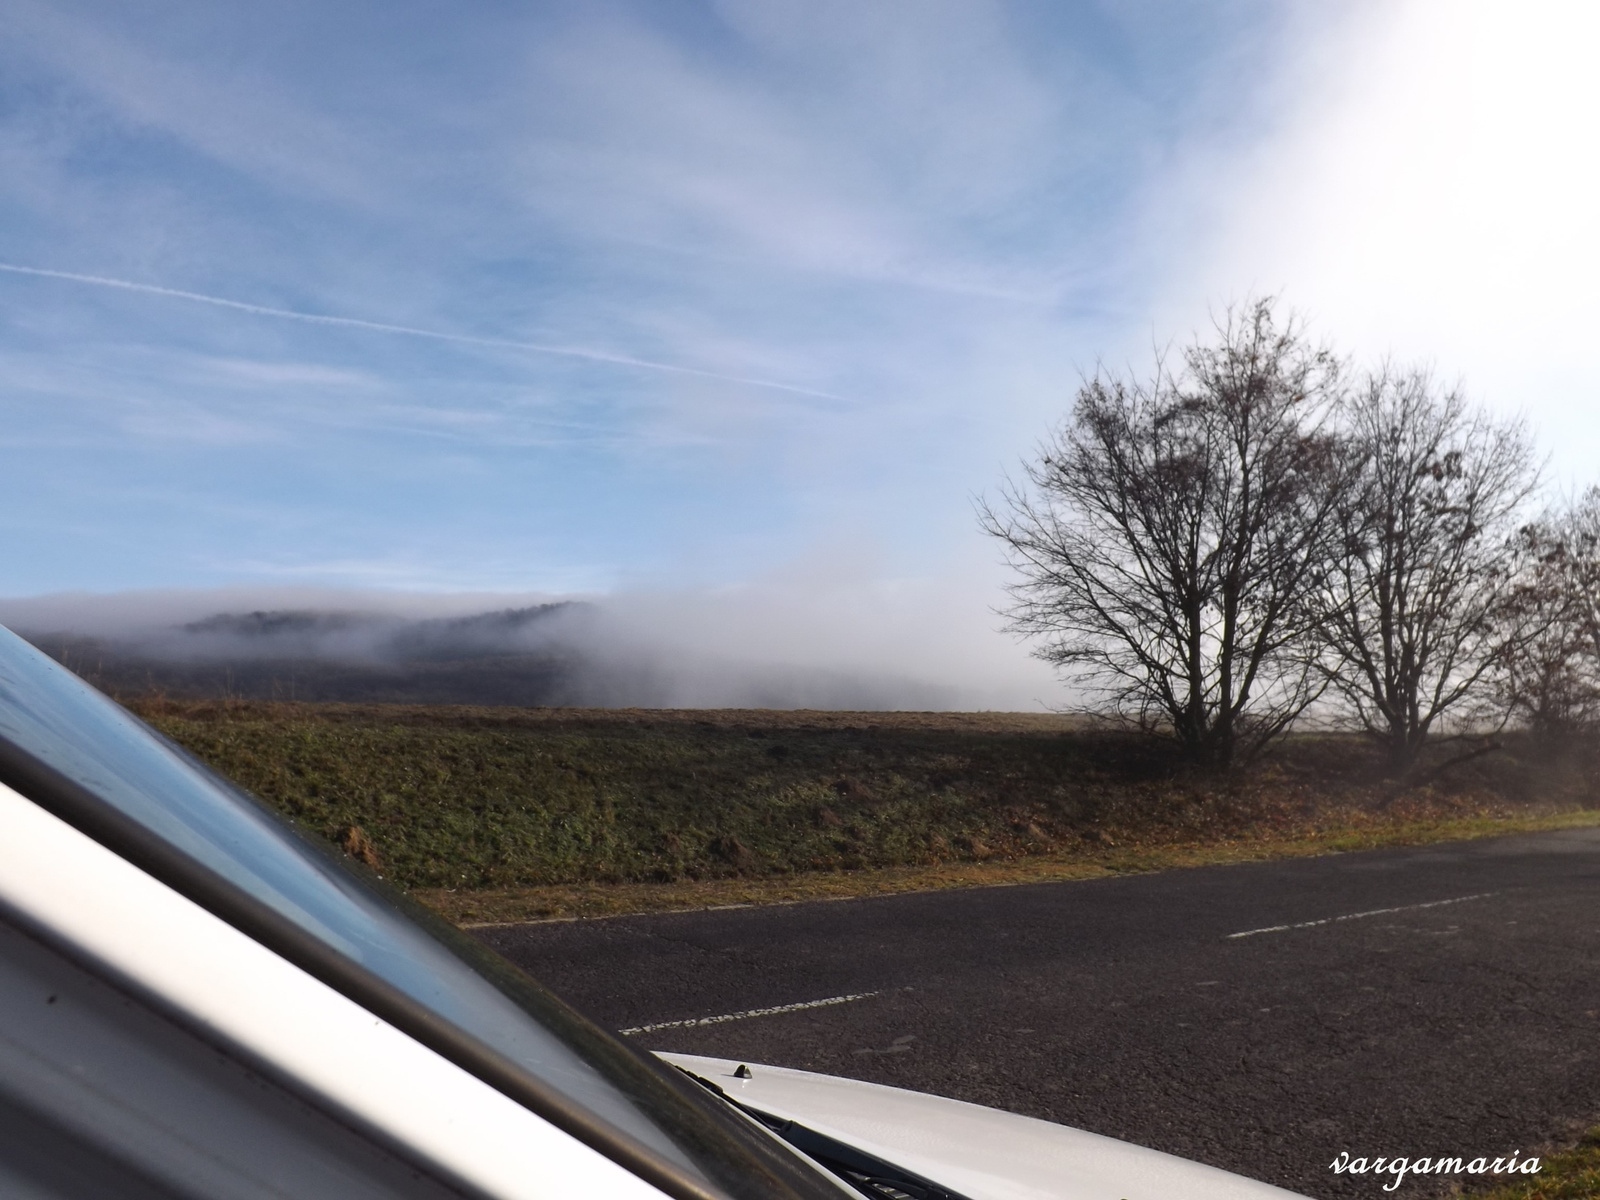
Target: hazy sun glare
1431 194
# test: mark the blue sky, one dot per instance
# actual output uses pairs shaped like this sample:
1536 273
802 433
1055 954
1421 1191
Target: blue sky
903 221
673 295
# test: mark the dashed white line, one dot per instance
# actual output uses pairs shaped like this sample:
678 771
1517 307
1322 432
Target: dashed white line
751 1012
1376 912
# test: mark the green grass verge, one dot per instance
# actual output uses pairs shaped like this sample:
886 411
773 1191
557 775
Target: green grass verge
486 812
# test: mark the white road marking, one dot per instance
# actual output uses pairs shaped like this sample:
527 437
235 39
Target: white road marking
753 1012
1376 912
664 912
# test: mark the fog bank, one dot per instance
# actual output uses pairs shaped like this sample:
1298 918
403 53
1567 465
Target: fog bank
848 644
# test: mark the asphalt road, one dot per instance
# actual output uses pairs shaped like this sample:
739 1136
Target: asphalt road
1130 1006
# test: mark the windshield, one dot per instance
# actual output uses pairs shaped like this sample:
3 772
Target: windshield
56 720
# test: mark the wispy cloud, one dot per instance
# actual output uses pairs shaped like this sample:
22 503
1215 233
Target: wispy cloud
222 103
761 152
261 310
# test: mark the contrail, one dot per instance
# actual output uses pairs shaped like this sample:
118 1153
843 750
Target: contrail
290 314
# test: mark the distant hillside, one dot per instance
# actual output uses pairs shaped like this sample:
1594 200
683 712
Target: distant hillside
513 657
545 655
353 635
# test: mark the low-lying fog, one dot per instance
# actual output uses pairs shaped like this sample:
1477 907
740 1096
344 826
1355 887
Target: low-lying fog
855 645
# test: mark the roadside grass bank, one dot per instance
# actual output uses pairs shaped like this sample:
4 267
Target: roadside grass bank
511 906
1569 1175
501 814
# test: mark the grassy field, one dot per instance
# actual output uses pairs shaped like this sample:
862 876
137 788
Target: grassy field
505 814
1568 1175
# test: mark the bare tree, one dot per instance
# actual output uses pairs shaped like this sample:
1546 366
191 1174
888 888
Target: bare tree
1548 676
1579 531
1164 535
1411 599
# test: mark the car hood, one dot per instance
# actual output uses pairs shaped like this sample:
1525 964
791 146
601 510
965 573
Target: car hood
981 1152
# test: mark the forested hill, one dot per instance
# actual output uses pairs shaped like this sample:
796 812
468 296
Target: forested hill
510 657
566 654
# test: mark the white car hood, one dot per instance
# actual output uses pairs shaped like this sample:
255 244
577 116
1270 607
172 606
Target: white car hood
980 1152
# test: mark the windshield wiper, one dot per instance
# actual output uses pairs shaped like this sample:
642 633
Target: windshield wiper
867 1173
